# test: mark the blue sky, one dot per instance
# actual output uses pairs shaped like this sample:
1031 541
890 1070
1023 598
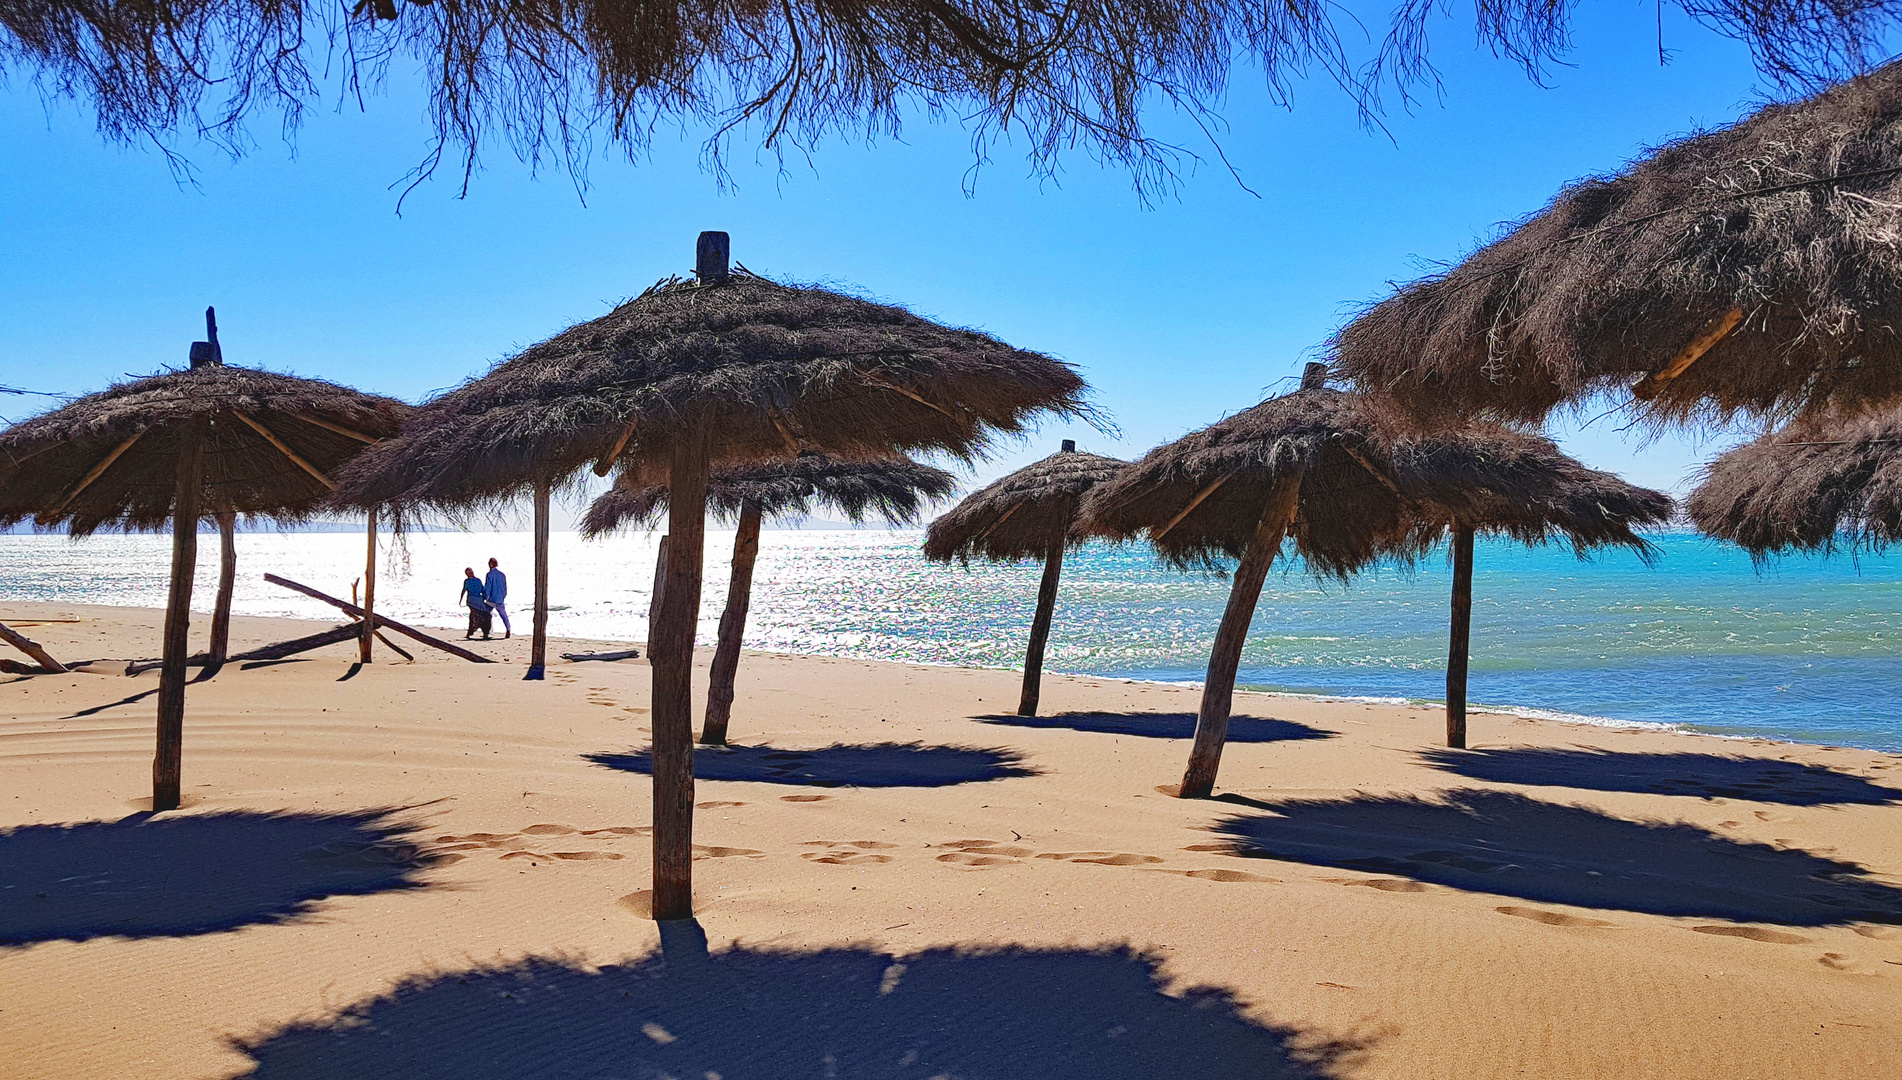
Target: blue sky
1177 313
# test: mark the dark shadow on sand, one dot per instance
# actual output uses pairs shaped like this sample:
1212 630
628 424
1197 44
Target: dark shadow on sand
183 874
868 765
1504 843
1161 725
758 1013
1711 776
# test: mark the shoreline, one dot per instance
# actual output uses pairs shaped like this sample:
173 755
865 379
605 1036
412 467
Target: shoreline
1523 712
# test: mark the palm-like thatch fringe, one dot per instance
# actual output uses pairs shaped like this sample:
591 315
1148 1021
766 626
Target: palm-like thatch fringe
45 458
897 489
552 76
773 368
1023 514
1769 243
1812 486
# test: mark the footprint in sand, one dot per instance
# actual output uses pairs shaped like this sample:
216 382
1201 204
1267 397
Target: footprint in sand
804 798
1550 918
1226 849
979 854
549 830
710 852
620 830
514 843
1846 964
1214 875
1104 858
847 852
715 805
1775 937
1880 933
588 855
1384 884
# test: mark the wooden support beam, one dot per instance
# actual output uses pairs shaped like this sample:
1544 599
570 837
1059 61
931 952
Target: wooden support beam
1460 635
368 621
671 657
31 648
606 464
318 421
538 644
877 379
1218 688
1187 510
285 449
1653 384
227 581
726 654
381 620
1385 480
93 474
1001 518
1040 629
167 765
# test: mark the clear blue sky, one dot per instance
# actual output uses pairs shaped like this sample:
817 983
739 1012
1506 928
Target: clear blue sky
1177 314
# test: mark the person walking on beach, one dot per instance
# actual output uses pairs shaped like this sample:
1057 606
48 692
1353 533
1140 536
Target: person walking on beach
477 600
497 588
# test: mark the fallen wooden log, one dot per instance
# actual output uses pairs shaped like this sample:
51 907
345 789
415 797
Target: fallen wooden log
278 651
31 648
356 612
14 667
624 654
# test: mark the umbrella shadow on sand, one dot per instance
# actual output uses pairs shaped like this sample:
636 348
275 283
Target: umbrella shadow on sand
1505 843
1710 776
179 875
746 1012
1162 725
841 765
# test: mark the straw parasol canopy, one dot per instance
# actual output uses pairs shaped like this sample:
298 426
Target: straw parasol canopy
1030 514
1750 269
726 367
1813 486
896 488
207 441
1344 477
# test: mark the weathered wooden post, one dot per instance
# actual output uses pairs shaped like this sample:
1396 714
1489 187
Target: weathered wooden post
660 590
1040 623
1460 636
369 589
538 645
220 645
726 655
671 658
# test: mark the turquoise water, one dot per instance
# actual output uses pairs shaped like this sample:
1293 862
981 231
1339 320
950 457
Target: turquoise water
1807 649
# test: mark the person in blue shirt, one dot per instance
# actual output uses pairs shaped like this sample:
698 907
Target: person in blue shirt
497 588
477 599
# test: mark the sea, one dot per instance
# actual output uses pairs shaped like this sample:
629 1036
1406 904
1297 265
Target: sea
1805 649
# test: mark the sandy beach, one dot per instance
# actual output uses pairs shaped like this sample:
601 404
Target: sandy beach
436 869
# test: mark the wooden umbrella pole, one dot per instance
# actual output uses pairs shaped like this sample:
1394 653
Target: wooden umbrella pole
227 581
538 645
660 590
1460 637
726 656
672 660
368 637
166 766
1040 629
1218 691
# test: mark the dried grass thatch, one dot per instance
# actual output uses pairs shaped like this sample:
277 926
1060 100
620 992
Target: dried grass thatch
897 489
1789 218
1023 514
774 369
551 79
1369 487
1813 486
45 458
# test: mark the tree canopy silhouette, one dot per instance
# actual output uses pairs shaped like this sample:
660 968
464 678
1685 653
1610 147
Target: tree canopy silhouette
551 78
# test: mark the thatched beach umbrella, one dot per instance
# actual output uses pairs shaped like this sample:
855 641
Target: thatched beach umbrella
896 488
211 441
1489 480
1749 269
1029 514
1336 473
725 367
1813 486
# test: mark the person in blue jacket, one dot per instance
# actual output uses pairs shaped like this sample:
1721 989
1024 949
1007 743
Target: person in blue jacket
497 588
476 598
